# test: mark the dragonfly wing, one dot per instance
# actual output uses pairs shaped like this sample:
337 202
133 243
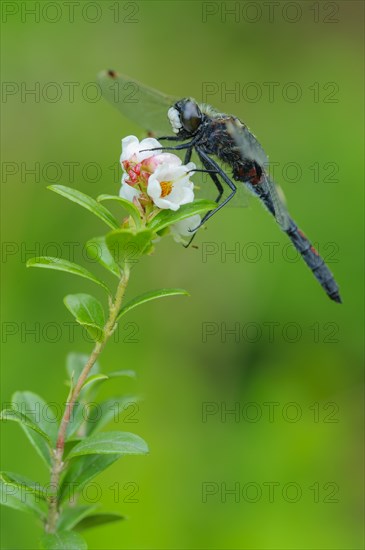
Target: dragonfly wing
250 149
142 104
281 213
246 143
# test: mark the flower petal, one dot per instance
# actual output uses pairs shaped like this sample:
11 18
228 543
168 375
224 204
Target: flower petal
130 146
133 149
183 228
181 186
147 143
128 192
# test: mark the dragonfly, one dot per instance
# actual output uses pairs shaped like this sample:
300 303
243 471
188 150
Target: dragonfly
222 142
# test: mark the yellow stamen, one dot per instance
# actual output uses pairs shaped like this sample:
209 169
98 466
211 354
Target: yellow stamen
166 188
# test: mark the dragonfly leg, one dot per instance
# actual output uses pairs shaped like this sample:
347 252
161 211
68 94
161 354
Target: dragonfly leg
210 163
188 155
180 147
213 176
187 160
204 171
169 138
218 185
176 148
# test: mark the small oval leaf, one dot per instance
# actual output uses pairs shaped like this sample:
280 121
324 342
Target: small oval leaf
72 516
152 295
25 484
94 378
16 497
77 419
110 410
63 540
37 410
87 311
15 416
127 205
58 264
74 365
127 246
81 470
95 520
75 362
127 373
97 250
86 202
168 217
121 443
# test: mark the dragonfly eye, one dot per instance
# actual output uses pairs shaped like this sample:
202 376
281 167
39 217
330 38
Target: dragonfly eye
191 116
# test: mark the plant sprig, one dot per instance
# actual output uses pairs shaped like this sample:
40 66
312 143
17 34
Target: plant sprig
75 450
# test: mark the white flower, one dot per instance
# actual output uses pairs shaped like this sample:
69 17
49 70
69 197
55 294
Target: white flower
160 175
128 192
133 149
184 228
162 158
170 187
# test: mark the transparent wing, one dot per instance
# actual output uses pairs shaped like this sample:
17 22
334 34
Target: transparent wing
145 106
250 149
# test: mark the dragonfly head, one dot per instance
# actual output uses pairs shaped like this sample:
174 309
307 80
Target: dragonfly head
185 117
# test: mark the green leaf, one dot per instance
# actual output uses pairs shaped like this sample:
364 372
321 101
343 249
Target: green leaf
70 443
121 443
63 540
89 417
148 296
109 410
39 412
74 365
21 499
95 378
72 516
75 362
15 416
58 264
77 418
87 311
86 202
127 373
25 484
97 250
95 520
127 246
168 217
81 470
128 206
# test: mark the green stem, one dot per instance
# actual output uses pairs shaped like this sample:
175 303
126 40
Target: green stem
57 463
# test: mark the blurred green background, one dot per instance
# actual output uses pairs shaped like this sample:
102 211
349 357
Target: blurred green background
311 369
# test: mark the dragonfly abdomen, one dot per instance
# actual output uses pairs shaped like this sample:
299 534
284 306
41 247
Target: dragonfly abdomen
314 261
247 172
309 254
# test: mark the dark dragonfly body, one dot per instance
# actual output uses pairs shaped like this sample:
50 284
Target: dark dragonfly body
308 252
227 138
306 249
202 129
